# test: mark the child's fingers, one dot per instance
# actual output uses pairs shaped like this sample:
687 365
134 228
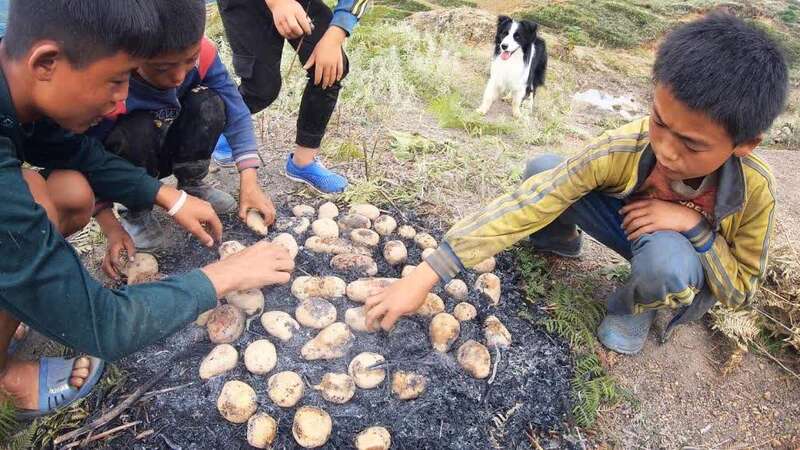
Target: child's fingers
109 269
305 23
318 73
201 234
311 60
376 311
340 69
216 227
389 320
633 215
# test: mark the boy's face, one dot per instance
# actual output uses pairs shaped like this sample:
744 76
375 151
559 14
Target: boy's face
169 70
687 143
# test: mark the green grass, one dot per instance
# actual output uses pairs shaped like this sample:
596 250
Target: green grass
451 112
455 3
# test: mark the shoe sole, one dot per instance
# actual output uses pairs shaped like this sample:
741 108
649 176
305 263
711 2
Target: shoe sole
560 253
306 182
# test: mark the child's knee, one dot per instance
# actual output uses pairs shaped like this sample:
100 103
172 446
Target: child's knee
72 196
38 187
207 107
540 164
667 258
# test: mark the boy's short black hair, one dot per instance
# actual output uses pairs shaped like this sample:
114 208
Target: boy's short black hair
184 22
727 69
87 30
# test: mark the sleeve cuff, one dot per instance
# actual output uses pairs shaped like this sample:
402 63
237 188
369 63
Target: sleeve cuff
248 161
203 291
344 20
701 236
444 262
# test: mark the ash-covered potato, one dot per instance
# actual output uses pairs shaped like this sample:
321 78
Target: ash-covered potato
352 222
444 331
225 324
497 335
334 246
304 288
312 427
488 284
457 289
361 265
279 324
425 241
303 211
407 232
356 318
427 252
260 357
297 225
371 212
221 359
229 248
336 387
332 342
142 269
384 225
315 313
325 228
408 385
285 389
407 270
464 312
485 266
237 401
365 237
433 305
288 242
395 253
250 301
328 210
255 221
361 289
475 359
373 438
261 430
364 376
202 319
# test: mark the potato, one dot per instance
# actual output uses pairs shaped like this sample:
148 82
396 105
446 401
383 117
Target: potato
315 313
255 221
352 222
297 225
374 438
260 357
356 318
457 289
407 232
408 385
237 401
485 266
444 330
325 228
361 265
229 248
221 359
332 342
395 253
488 284
497 335
334 246
361 289
250 301
363 375
312 427
279 324
143 268
327 210
225 324
464 311
433 305
425 240
202 319
285 389
384 225
475 359
365 237
303 211
407 269
427 252
304 288
261 430
288 242
337 387
369 211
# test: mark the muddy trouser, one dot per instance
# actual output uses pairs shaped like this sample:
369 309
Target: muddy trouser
257 47
182 148
665 269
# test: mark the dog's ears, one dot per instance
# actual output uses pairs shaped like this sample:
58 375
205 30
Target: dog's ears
502 20
529 26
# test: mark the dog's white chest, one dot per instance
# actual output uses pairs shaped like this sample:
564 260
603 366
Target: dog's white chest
509 74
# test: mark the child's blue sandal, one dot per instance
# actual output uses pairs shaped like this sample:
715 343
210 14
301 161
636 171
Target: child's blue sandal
54 389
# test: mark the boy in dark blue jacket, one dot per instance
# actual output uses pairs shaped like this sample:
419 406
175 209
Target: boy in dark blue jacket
180 102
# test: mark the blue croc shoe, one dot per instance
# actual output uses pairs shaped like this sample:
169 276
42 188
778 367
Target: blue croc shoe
223 155
54 389
626 333
317 176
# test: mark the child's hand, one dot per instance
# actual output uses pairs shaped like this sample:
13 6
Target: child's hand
403 297
651 215
198 218
117 240
289 17
262 264
327 58
251 196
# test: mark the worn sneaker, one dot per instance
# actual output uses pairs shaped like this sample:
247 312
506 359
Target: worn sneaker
568 249
143 228
223 154
221 201
317 176
625 333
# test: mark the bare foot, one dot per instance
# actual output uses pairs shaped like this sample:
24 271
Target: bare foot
20 380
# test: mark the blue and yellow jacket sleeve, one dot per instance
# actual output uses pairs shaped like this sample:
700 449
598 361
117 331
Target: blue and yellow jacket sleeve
347 13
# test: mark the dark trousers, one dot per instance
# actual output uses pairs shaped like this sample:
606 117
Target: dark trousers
257 47
182 147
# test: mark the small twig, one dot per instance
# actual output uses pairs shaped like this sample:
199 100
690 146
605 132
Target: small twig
144 434
399 211
366 161
580 438
496 363
441 428
768 355
102 435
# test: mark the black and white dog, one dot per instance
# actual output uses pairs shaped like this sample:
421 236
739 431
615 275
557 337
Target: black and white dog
519 64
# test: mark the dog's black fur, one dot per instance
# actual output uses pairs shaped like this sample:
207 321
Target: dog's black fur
525 36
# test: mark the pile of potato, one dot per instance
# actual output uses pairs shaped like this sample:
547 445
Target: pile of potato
353 241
